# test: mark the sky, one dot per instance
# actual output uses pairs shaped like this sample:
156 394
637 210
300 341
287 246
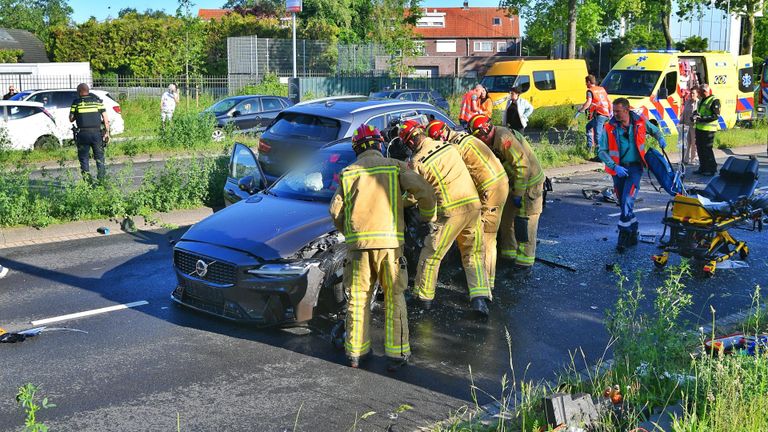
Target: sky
84 9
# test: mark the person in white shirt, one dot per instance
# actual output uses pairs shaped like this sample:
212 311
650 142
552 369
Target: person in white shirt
517 112
168 102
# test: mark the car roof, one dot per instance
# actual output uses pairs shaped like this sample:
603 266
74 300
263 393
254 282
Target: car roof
346 109
20 103
239 97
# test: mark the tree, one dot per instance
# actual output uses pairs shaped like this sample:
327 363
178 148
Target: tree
394 31
263 8
693 44
747 9
37 16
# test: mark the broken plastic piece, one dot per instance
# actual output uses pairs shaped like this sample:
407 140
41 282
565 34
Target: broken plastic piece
102 230
732 264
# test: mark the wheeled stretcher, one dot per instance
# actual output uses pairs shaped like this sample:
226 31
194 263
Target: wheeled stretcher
699 224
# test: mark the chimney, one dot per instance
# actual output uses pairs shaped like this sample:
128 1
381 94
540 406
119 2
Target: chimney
466 5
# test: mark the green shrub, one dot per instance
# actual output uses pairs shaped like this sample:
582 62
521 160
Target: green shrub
269 85
188 130
558 117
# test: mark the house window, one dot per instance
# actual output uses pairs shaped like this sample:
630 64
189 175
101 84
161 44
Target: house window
501 47
431 19
496 21
483 46
544 80
445 46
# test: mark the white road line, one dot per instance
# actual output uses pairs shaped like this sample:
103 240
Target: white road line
89 313
644 209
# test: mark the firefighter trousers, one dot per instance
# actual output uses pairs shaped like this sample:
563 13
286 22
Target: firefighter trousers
493 200
466 229
362 270
522 253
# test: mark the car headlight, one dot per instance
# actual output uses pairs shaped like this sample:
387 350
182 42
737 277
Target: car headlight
282 269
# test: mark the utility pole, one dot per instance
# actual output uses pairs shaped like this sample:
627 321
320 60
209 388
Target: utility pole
294 7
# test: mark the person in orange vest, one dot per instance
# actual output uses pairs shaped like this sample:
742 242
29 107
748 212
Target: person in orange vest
470 105
622 149
598 108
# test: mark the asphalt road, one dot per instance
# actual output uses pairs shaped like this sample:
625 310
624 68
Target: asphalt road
139 369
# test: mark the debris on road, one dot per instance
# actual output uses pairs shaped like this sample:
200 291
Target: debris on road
102 230
555 264
647 238
128 225
733 264
737 343
570 410
21 336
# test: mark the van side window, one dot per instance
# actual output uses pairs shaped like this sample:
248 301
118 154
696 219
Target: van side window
544 80
670 83
746 83
524 82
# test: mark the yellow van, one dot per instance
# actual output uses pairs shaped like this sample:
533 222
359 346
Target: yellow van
654 82
543 82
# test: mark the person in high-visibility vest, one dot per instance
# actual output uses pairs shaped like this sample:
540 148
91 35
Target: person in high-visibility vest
368 209
598 107
458 217
490 181
470 105
622 149
520 217
707 123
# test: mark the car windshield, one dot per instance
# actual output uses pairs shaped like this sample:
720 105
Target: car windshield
223 105
20 96
499 83
631 82
315 180
307 126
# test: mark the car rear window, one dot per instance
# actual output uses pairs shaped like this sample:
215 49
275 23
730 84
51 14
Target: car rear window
381 95
306 126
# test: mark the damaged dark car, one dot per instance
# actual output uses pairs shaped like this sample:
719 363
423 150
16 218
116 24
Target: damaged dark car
273 257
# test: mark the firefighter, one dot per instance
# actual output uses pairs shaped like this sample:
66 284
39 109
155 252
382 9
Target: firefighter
490 181
520 217
706 124
458 217
368 208
598 108
622 149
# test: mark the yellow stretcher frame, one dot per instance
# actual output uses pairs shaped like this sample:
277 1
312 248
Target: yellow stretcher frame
701 234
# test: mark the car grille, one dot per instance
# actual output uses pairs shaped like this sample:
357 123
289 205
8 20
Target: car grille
218 272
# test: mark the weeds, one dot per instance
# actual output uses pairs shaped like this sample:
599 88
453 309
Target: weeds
25 397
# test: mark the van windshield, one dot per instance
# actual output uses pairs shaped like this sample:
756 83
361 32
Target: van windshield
631 82
499 83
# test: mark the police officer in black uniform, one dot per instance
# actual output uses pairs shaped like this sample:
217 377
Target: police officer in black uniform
89 113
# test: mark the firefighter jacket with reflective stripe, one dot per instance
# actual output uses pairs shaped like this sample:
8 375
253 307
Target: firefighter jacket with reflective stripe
709 110
518 160
368 204
87 111
468 106
600 103
441 165
612 131
484 167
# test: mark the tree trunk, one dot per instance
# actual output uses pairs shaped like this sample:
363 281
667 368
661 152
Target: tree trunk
665 27
572 29
748 37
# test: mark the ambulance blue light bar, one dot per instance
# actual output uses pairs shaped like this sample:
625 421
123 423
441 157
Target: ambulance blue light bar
640 51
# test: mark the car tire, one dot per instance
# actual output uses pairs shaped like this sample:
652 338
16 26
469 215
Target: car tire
218 135
47 142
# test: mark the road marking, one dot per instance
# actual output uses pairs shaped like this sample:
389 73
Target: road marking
89 313
644 209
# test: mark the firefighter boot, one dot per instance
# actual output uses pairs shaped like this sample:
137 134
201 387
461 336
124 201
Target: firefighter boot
624 241
395 363
480 306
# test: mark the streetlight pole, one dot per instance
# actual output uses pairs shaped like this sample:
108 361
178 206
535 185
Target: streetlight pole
294 44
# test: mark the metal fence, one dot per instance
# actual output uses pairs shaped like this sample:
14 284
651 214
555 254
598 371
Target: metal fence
255 56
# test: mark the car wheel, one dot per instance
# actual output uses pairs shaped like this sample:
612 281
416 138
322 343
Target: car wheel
46 142
218 135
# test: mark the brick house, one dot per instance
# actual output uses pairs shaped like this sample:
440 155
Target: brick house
463 40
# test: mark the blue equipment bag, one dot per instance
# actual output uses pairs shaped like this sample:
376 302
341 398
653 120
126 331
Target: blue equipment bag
669 179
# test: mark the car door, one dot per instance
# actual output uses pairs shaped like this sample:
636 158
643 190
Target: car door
247 114
242 164
270 108
25 126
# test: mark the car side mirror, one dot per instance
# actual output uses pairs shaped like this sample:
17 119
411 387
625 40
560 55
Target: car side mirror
236 113
662 94
248 184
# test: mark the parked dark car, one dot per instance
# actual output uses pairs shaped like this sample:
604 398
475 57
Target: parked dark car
248 113
417 95
300 130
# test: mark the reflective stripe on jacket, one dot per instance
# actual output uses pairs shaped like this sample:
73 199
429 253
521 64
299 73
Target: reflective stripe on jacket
707 112
600 103
484 167
368 205
518 159
441 166
613 142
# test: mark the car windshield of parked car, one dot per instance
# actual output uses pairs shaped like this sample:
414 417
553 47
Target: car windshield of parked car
631 82
223 106
306 126
315 180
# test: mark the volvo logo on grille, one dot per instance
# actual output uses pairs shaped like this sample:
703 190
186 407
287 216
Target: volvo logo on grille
201 268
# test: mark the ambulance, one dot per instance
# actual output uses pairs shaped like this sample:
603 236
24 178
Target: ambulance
762 105
655 82
543 82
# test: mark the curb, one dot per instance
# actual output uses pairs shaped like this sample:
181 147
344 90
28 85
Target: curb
27 236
